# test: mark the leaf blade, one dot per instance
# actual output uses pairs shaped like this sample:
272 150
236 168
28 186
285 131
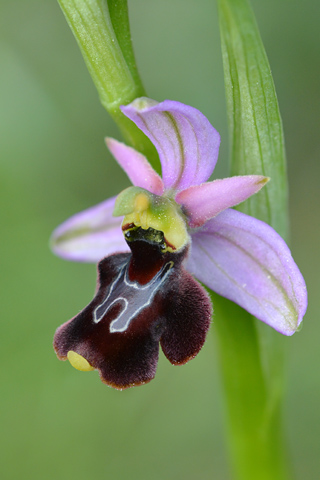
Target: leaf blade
256 133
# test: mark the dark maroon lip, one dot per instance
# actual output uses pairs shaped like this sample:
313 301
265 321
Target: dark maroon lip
145 298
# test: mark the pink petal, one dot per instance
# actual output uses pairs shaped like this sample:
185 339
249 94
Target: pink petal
205 201
136 166
187 144
245 260
90 235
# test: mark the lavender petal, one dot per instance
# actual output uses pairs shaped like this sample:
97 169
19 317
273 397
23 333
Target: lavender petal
90 235
136 167
205 201
187 144
245 260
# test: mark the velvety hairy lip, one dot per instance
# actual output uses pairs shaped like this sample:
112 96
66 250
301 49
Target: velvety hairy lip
119 332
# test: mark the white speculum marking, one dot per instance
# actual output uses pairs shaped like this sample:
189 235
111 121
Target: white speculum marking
132 296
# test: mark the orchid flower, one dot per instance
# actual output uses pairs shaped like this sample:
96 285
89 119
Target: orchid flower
155 237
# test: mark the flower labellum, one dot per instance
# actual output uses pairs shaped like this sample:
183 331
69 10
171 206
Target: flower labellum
143 298
152 239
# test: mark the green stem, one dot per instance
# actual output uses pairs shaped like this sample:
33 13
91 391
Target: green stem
251 354
101 29
253 407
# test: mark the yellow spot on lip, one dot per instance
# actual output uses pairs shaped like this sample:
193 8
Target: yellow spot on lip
79 362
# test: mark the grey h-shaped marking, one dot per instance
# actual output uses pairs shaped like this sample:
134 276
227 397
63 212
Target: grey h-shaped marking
132 297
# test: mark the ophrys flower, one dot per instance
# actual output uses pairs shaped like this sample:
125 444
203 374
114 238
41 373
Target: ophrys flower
172 225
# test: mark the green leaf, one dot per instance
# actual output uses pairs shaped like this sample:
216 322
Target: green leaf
251 355
256 135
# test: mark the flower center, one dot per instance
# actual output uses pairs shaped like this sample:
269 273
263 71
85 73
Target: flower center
158 219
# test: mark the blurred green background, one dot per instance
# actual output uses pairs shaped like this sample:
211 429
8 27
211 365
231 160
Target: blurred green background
60 423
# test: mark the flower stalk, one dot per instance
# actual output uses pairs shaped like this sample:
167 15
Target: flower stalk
101 29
